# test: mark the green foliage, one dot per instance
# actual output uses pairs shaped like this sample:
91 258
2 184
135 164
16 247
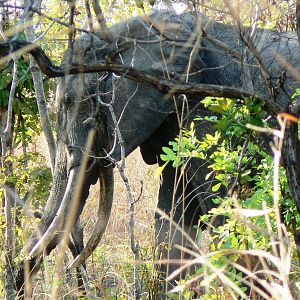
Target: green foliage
5 79
248 206
118 279
25 88
187 146
235 114
24 106
35 178
30 179
30 175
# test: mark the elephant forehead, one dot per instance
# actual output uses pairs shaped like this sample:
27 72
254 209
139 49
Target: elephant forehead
73 88
60 90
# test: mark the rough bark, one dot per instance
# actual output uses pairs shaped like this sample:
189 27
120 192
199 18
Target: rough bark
291 157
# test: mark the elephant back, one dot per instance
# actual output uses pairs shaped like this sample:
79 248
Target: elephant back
162 43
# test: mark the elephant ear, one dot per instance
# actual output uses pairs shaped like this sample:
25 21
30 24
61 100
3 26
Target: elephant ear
162 44
151 149
148 153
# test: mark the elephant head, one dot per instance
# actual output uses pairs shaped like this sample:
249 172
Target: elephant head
100 102
125 114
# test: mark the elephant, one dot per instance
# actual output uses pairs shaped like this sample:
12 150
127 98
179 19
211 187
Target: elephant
125 113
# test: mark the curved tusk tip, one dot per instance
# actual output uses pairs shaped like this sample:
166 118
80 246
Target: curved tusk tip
74 264
34 252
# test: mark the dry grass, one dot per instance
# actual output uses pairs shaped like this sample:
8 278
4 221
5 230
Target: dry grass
113 257
145 188
111 263
110 268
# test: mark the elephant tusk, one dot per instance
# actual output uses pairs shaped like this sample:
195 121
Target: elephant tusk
105 203
66 210
59 221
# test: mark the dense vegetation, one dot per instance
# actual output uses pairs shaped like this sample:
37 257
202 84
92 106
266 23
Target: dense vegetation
262 227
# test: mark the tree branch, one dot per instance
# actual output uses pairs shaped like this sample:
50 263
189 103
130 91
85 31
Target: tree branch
40 93
102 22
165 86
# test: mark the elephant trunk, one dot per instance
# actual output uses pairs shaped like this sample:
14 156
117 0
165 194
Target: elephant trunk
104 210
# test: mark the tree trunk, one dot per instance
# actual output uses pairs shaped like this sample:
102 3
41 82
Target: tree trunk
9 245
6 142
39 91
298 18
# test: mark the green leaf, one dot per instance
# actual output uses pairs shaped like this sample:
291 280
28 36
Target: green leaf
164 157
216 187
168 151
234 242
216 200
177 163
199 237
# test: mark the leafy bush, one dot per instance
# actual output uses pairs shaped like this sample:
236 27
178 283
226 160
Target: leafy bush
252 239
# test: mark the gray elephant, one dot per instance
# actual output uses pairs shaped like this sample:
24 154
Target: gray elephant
187 48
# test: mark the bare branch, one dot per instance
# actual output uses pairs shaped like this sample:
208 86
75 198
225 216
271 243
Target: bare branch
101 20
41 14
89 15
122 170
71 27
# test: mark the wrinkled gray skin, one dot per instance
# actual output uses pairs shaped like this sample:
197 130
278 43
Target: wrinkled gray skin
146 117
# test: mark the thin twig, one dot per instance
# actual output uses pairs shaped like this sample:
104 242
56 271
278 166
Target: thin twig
121 166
